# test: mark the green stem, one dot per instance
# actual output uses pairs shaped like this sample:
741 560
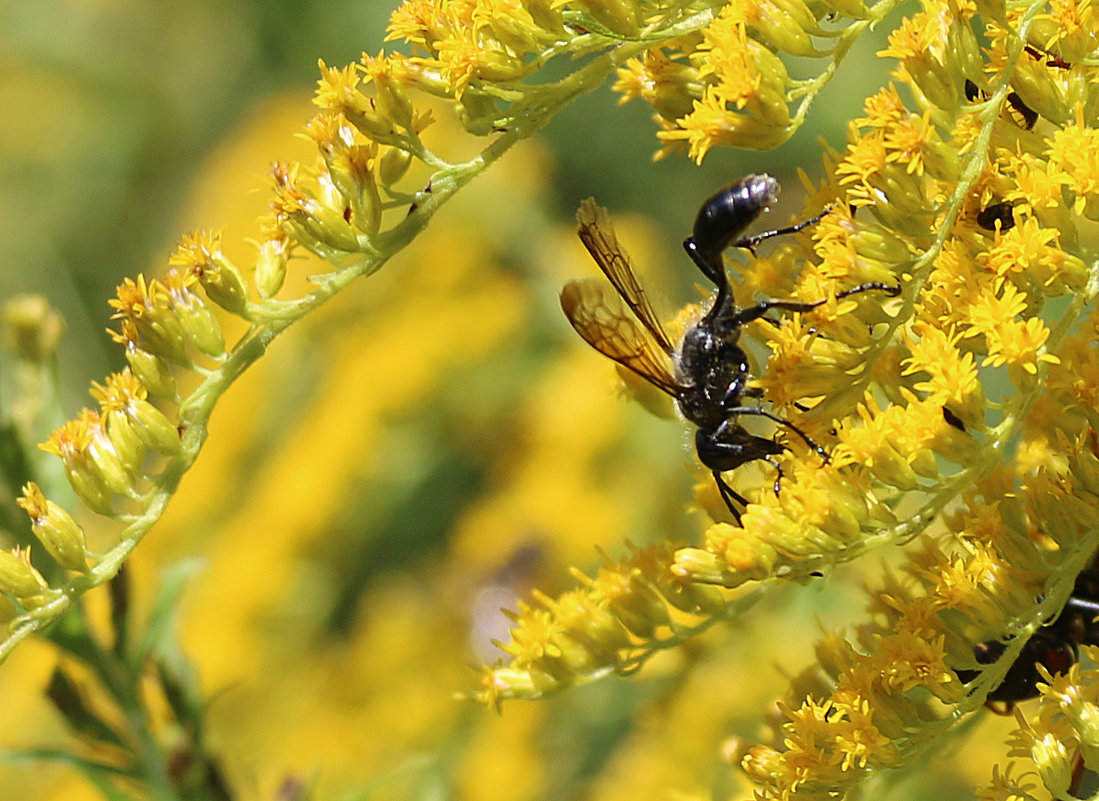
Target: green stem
75 637
276 316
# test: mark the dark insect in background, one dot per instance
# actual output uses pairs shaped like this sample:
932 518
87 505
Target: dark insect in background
1055 646
1027 117
706 372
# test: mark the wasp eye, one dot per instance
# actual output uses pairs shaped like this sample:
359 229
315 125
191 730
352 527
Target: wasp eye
724 216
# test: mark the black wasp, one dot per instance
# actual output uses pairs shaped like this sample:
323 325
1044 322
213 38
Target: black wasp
707 371
1054 646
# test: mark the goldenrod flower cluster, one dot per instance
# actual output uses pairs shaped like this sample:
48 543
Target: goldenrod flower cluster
728 85
961 413
1065 728
960 416
375 185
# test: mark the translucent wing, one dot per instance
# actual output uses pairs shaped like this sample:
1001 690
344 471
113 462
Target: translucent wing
601 319
597 234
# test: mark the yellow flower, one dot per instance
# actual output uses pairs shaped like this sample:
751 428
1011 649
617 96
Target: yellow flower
19 579
55 529
92 466
1004 787
670 87
953 379
893 424
1074 152
200 254
744 102
125 408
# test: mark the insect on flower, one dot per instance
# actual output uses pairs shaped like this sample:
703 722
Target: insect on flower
997 213
1027 118
706 372
1055 646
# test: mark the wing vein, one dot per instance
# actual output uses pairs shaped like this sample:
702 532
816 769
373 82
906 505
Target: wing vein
597 234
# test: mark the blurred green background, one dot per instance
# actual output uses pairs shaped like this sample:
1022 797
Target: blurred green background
433 444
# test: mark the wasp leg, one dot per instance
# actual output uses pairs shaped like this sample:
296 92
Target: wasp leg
729 495
1082 605
754 410
750 242
750 313
778 473
757 392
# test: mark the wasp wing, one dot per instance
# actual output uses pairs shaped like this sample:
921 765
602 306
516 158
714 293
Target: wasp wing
597 234
601 319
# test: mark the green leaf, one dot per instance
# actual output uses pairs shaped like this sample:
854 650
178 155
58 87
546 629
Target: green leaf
98 773
70 702
157 627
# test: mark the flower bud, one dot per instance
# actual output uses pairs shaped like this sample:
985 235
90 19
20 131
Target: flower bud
200 255
1054 764
125 441
1035 85
55 529
18 578
225 286
154 428
393 102
31 328
90 489
618 16
104 460
393 165
71 442
326 226
152 371
271 266
201 326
